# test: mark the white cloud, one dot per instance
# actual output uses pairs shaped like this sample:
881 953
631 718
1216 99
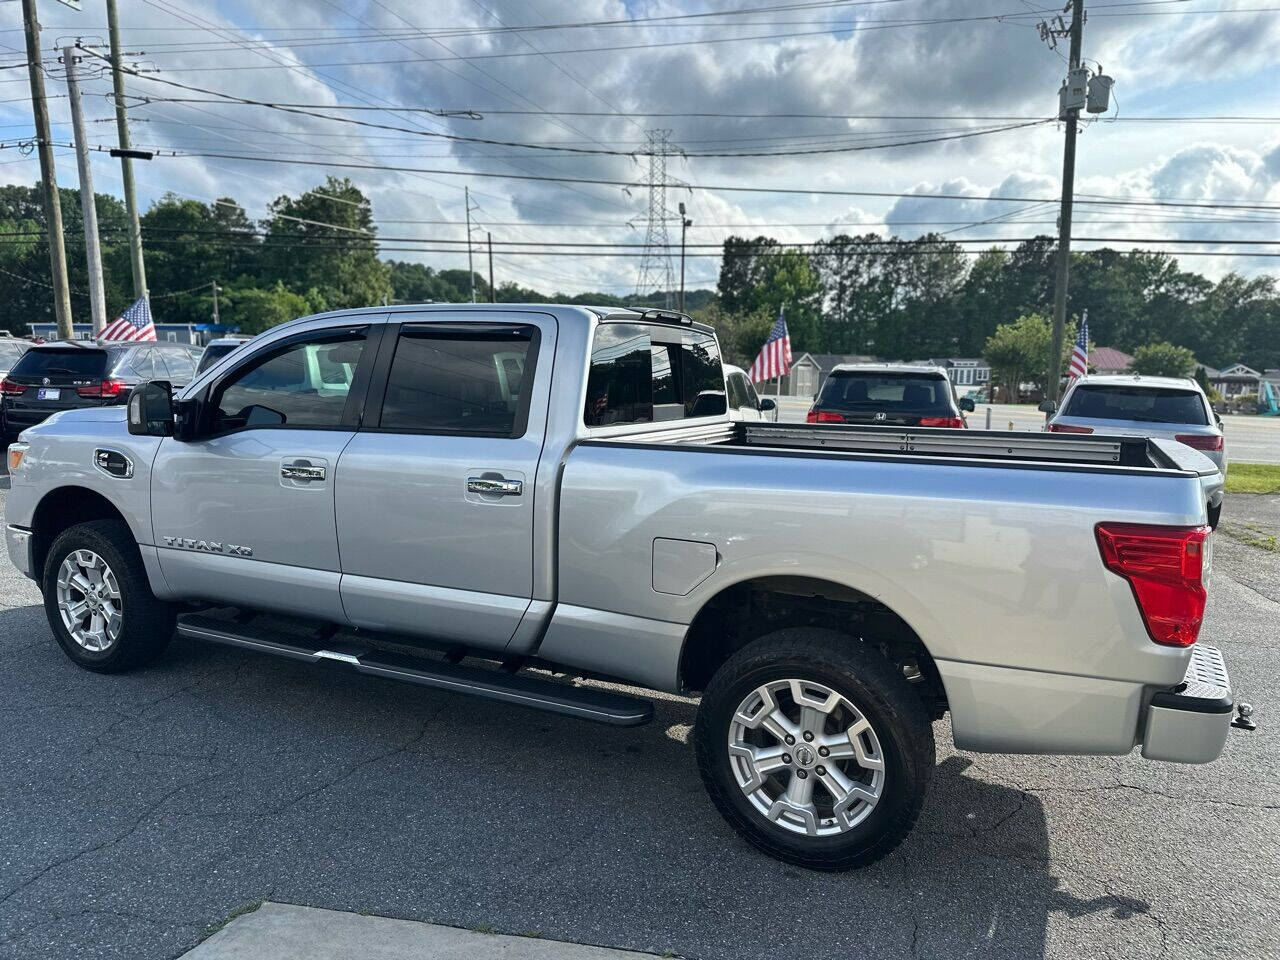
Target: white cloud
968 69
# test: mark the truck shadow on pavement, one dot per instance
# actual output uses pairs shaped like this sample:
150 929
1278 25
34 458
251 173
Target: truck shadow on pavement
145 808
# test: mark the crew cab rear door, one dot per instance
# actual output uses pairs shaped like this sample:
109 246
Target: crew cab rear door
435 493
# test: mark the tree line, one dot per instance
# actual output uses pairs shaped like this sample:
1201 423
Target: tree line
867 294
914 299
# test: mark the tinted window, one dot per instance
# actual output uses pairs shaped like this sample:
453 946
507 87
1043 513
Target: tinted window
737 391
901 393
641 374
61 366
213 353
9 352
180 364
1146 404
467 383
140 363
302 385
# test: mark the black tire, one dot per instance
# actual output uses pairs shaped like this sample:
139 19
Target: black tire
875 688
146 623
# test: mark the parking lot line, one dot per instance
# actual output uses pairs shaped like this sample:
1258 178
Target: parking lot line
285 931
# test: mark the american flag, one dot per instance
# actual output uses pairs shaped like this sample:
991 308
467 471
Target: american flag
134 324
775 356
1080 354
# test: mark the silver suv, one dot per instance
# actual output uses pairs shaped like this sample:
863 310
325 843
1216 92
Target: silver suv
1132 405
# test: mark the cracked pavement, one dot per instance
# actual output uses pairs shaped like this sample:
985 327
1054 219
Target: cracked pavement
139 812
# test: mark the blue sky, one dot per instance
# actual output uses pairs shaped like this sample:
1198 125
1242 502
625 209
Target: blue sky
1169 59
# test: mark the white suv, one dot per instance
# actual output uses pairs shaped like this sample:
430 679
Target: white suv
1128 405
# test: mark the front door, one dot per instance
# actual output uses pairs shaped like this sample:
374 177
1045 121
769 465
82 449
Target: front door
435 495
244 514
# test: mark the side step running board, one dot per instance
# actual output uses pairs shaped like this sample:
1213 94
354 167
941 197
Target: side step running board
585 703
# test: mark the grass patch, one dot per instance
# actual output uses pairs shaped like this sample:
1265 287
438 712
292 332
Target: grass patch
1253 535
1253 478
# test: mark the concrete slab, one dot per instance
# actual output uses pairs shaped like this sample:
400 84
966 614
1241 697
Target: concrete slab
284 931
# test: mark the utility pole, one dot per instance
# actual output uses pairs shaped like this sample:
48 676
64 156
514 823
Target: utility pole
126 163
471 270
685 224
48 175
216 290
88 208
1053 387
493 295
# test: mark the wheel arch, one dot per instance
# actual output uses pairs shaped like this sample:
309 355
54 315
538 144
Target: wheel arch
64 507
755 606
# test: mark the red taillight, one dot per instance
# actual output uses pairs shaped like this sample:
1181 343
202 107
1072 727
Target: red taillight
1164 566
107 388
823 416
11 389
1068 428
1201 441
956 422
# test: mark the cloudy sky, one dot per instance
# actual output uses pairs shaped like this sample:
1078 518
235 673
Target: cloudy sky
596 75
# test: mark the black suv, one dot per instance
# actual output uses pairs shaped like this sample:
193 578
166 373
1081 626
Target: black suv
67 374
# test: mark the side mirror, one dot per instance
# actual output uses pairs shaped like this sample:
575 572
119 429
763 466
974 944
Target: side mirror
151 409
967 404
767 405
1048 406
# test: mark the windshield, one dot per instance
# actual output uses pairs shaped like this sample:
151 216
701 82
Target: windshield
888 392
1143 404
72 364
213 353
10 352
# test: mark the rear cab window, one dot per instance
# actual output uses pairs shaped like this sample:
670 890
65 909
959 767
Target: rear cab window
647 373
73 365
469 382
1091 401
887 391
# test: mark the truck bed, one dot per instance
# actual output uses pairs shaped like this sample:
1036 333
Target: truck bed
1008 448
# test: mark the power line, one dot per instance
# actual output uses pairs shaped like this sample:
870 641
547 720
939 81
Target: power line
737 188
603 151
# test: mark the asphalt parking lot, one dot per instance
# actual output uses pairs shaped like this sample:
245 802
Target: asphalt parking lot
139 812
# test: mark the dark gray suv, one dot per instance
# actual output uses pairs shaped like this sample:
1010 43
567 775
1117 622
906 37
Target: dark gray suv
65 374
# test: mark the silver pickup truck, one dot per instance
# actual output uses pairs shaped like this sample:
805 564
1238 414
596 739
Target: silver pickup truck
499 500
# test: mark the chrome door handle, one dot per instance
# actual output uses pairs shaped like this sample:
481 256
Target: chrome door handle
302 472
495 488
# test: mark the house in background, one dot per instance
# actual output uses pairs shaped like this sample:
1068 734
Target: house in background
1235 380
965 371
1109 360
809 370
197 334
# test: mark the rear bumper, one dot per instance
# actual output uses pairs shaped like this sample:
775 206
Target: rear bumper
1189 723
18 540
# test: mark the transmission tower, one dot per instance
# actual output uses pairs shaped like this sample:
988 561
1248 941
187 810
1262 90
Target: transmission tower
656 270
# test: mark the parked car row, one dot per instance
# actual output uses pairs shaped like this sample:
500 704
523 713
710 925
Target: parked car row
39 379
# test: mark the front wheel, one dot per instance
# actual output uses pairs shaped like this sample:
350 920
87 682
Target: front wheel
815 748
98 601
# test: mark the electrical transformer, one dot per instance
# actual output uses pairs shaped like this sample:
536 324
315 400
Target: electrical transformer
1100 93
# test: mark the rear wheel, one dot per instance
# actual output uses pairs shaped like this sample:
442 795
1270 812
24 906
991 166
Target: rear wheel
98 601
815 748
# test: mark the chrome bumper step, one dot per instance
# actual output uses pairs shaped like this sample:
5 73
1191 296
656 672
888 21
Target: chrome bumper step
585 703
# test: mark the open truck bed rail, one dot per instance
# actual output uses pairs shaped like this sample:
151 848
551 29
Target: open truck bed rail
1119 451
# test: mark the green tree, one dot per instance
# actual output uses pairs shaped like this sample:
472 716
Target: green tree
1017 352
1163 359
326 240
254 310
